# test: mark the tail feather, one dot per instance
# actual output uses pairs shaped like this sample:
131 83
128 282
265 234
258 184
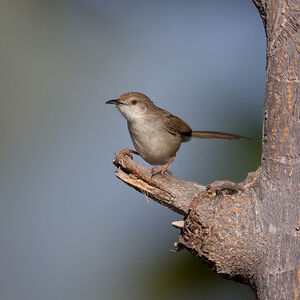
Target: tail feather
217 135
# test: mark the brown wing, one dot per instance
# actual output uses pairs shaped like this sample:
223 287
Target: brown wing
175 125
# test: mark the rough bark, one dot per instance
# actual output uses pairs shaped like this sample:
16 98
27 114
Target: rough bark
279 182
249 231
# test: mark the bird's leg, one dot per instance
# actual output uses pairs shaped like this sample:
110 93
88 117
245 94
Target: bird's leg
164 169
125 151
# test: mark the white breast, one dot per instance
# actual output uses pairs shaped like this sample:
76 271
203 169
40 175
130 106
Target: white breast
153 142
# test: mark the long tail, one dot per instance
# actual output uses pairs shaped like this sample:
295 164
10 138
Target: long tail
217 135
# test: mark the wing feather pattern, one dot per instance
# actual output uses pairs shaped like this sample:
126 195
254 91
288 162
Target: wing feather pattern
175 125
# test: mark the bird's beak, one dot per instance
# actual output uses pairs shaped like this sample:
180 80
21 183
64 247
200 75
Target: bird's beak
114 101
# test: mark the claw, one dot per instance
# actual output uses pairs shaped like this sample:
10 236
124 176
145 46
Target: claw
162 170
154 171
169 172
124 152
119 155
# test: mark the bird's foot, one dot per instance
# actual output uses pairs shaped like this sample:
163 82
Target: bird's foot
162 170
124 152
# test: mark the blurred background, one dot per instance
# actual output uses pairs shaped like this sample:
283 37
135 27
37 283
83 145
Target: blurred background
69 229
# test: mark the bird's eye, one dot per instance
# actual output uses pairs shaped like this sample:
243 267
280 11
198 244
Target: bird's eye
134 102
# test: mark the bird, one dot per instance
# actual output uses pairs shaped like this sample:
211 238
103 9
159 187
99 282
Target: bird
156 133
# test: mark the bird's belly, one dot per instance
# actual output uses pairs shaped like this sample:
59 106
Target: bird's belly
155 145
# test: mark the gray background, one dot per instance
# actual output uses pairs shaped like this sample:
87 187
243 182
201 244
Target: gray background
69 229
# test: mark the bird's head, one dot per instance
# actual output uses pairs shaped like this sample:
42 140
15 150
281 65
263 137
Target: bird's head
132 105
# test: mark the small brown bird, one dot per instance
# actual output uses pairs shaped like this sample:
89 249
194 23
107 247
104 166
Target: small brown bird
157 134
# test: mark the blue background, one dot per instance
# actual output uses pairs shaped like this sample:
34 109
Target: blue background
69 229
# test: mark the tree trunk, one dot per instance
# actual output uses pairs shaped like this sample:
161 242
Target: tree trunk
249 231
278 276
